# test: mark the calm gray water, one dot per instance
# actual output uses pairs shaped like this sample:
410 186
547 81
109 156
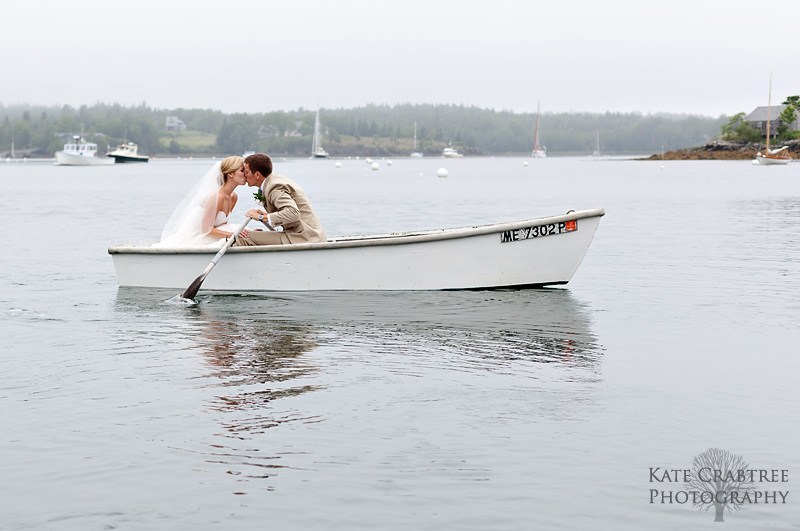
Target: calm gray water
539 409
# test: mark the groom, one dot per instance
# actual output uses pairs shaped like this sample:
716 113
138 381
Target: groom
286 206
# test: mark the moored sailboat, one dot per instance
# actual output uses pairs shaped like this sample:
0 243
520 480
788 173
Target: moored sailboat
772 156
415 153
539 151
597 152
317 152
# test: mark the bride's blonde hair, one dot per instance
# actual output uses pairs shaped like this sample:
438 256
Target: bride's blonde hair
228 166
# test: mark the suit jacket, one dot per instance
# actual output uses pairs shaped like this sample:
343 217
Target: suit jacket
288 206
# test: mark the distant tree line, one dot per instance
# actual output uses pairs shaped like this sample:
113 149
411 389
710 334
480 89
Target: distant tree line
371 129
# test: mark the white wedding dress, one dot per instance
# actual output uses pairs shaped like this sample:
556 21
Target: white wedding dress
193 219
221 222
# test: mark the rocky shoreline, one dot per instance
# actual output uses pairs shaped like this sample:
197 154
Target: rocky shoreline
725 150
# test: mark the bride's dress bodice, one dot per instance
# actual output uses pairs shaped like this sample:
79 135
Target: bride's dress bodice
190 235
222 222
222 219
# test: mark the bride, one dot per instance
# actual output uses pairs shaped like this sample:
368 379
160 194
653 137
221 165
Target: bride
201 219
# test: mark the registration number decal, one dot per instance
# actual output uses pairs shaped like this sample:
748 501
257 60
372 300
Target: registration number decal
538 231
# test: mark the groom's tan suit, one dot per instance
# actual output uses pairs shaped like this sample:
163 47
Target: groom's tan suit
288 206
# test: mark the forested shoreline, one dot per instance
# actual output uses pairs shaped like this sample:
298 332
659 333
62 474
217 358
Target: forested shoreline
371 130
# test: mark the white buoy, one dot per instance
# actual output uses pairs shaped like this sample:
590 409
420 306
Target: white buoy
338 164
388 162
755 162
662 166
369 160
441 172
525 163
375 166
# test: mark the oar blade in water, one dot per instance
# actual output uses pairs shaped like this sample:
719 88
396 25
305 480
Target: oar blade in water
194 287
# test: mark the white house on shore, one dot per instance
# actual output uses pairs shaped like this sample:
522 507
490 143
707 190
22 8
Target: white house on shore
175 124
758 120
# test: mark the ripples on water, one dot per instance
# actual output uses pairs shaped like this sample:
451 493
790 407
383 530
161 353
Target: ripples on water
259 350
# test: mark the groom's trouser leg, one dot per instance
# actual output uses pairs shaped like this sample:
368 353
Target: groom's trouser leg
262 237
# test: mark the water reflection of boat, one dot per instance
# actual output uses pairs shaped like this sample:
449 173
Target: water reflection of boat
284 372
547 325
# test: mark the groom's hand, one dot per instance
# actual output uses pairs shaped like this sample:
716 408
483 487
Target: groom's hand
253 213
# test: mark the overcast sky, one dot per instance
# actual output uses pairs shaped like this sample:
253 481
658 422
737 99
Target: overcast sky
700 57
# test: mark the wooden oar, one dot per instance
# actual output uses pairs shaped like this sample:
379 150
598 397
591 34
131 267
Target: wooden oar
194 287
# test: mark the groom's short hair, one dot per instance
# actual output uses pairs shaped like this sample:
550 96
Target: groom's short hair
259 162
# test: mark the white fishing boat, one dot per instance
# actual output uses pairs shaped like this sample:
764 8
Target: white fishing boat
415 153
128 152
451 153
539 151
523 254
79 152
772 157
317 152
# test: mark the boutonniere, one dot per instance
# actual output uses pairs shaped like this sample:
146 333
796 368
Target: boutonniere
259 196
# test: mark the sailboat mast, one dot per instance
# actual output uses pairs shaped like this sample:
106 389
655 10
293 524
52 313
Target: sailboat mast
415 136
315 141
536 130
769 109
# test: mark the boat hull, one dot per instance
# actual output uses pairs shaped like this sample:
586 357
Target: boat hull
505 255
772 161
128 158
70 159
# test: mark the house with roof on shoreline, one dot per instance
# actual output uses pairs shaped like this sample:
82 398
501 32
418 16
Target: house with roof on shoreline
174 123
758 120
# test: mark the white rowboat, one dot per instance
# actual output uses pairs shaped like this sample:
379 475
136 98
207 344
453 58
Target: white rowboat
522 254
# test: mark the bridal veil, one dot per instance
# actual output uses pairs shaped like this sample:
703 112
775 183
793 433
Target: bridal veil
194 217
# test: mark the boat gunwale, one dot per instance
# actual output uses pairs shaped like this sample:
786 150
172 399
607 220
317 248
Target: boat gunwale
368 240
